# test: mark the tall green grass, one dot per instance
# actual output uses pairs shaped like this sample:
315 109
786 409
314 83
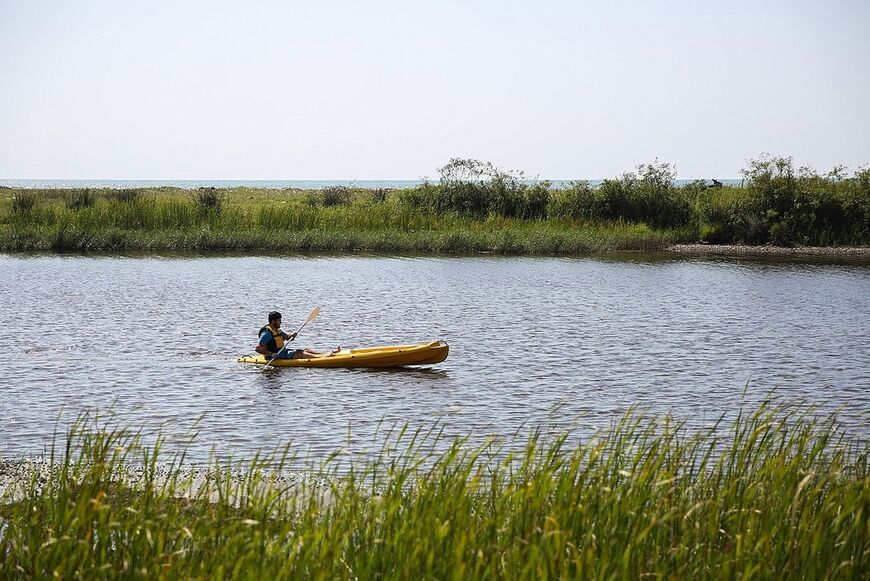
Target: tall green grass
177 223
475 205
780 494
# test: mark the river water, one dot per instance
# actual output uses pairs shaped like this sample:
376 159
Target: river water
534 342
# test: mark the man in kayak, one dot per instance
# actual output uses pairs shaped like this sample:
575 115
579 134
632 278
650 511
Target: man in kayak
272 340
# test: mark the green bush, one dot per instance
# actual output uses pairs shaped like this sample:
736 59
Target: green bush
648 196
803 207
778 205
477 189
78 199
23 201
125 196
209 201
335 196
421 198
535 201
579 201
378 195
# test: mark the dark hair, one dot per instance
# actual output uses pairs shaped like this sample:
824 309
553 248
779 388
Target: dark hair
274 315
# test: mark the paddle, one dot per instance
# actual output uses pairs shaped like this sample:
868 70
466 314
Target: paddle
311 316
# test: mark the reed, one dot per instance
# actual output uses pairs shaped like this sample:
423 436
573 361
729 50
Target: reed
23 202
209 201
779 494
129 195
175 223
78 199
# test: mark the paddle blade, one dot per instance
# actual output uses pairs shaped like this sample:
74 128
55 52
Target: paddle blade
314 312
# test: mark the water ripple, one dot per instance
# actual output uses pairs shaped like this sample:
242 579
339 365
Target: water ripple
534 342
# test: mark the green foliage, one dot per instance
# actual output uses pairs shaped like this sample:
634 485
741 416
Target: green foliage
336 196
209 201
478 189
579 201
474 207
782 206
647 195
329 197
378 195
23 201
78 199
422 198
778 494
471 187
126 196
534 202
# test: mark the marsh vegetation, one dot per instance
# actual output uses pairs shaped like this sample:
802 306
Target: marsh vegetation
473 207
779 493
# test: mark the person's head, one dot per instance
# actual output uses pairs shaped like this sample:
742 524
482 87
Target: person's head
275 319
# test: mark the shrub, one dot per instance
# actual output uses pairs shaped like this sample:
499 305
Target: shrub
23 201
78 199
335 196
784 206
856 205
467 186
478 189
209 200
647 195
535 200
420 198
378 195
731 215
788 200
124 196
579 201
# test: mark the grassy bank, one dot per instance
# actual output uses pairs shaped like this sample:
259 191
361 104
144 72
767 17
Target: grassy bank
779 495
287 221
474 207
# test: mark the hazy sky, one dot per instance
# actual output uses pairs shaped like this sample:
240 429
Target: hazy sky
368 90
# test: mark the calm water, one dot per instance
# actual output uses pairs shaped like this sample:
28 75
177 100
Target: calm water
534 342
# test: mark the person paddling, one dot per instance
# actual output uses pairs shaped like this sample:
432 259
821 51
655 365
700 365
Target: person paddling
272 340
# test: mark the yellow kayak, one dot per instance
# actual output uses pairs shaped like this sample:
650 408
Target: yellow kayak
393 356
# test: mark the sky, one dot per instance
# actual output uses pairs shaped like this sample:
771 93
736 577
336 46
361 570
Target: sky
327 89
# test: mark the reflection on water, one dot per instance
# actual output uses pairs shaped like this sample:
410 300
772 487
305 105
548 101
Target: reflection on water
550 343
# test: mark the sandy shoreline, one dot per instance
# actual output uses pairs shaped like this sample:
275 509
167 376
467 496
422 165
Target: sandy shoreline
746 250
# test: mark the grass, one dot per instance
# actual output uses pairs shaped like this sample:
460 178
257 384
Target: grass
288 221
779 494
475 207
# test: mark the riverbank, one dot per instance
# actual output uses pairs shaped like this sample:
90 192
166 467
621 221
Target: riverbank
739 250
474 208
779 494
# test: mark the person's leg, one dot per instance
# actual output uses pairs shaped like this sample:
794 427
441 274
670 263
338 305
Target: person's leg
312 354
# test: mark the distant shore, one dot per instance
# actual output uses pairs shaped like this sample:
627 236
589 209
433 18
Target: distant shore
473 208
